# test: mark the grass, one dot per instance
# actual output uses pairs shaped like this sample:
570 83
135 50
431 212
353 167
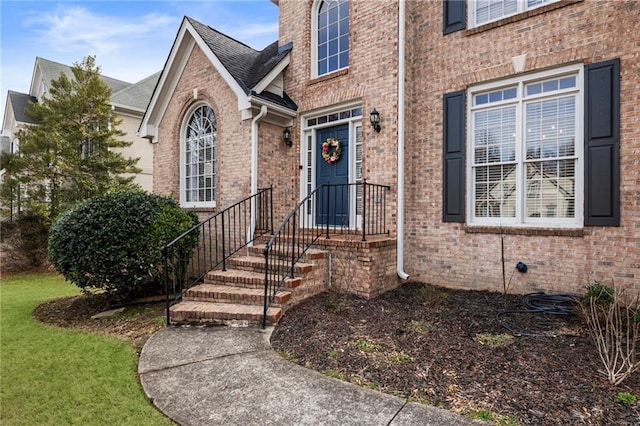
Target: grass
366 346
53 376
494 340
420 326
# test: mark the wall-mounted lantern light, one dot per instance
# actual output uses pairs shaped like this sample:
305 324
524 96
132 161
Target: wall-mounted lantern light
286 137
375 120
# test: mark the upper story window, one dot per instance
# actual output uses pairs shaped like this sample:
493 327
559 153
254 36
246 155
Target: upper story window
330 36
484 11
198 159
526 162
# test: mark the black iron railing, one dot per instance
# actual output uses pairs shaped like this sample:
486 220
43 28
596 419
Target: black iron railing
325 212
218 238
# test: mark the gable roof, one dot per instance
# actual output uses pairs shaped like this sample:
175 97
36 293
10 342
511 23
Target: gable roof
247 72
19 103
51 71
246 65
137 95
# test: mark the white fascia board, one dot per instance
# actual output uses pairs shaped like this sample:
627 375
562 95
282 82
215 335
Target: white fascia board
168 82
186 40
224 73
5 117
275 72
36 75
126 108
273 108
148 131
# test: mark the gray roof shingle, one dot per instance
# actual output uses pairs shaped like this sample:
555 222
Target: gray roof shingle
51 71
138 94
19 103
246 65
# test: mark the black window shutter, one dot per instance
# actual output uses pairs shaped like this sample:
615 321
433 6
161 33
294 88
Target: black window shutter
453 169
602 144
454 15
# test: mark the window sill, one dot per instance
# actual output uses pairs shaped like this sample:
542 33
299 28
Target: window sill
533 232
329 76
199 209
519 17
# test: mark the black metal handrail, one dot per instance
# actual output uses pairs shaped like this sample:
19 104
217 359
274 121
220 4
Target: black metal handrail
218 238
323 211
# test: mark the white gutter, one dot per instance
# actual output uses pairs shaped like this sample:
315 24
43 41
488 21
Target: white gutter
254 170
400 202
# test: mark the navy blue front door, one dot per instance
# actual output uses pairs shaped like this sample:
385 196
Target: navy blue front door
332 205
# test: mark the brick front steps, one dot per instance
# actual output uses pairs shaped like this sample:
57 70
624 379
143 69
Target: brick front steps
236 296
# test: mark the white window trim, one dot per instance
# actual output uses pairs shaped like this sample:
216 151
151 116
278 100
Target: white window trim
522 7
315 8
183 132
520 220
310 131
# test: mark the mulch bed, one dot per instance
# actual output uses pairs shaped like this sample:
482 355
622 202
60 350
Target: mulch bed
421 342
135 324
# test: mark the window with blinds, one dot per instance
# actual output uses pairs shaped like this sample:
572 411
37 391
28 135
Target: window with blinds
524 145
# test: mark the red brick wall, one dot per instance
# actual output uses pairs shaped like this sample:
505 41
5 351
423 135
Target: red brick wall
233 146
448 253
371 78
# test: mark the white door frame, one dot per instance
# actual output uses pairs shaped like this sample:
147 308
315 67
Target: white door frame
309 124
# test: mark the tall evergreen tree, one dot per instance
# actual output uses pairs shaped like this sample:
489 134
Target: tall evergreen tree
68 155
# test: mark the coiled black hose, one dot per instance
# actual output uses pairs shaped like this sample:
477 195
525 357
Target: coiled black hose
540 303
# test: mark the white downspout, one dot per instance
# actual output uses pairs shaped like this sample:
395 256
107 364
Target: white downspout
254 170
400 202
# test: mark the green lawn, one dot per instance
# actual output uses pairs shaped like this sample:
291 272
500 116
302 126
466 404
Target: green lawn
53 376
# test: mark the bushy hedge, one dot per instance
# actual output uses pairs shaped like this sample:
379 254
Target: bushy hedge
113 242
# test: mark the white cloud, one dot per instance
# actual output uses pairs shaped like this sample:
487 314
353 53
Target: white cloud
254 35
77 29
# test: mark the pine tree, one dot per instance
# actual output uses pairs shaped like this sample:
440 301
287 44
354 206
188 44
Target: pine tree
68 155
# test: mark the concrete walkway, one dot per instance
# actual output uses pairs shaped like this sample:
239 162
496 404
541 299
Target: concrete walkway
232 376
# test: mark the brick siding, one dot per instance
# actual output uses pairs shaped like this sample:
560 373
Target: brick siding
450 254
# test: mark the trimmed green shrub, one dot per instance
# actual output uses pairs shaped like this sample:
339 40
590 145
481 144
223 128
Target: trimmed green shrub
113 242
600 293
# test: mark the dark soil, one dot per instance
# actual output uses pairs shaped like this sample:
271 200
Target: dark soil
135 324
421 342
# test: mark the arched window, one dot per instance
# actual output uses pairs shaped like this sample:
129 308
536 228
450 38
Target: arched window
330 36
198 159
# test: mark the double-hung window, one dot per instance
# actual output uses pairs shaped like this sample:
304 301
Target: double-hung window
537 150
485 11
525 146
330 36
198 159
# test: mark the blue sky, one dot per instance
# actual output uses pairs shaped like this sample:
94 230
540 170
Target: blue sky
131 39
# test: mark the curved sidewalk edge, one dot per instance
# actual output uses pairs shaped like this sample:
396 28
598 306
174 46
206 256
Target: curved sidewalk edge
232 376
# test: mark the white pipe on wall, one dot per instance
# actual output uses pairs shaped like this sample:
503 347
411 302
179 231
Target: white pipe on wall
400 202
254 170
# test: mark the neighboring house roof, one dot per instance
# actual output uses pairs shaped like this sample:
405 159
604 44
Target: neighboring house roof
19 103
137 95
51 71
254 76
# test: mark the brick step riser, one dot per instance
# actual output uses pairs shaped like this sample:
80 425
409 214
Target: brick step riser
196 317
279 301
283 255
258 266
249 283
190 316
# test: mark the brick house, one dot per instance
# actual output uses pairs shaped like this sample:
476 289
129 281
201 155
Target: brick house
506 123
